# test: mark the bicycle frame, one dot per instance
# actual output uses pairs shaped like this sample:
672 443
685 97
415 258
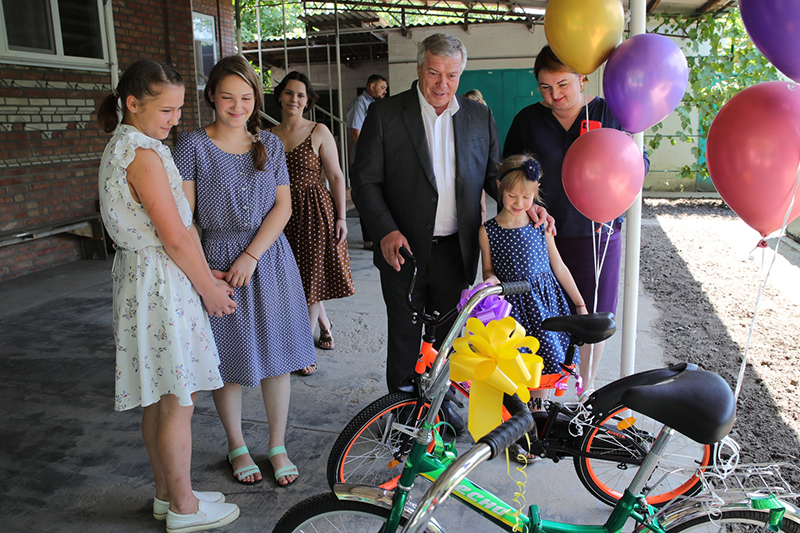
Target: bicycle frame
493 508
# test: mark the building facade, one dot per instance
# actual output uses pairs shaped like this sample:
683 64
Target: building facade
57 63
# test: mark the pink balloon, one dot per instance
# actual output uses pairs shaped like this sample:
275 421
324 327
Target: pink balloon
603 173
753 153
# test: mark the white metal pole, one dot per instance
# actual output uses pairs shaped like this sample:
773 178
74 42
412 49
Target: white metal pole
238 18
633 234
340 109
111 43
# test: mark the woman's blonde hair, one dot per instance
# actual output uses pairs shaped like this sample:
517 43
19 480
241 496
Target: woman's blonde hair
522 171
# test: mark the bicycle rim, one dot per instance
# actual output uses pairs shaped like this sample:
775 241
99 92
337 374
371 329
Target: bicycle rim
366 450
608 477
734 521
325 513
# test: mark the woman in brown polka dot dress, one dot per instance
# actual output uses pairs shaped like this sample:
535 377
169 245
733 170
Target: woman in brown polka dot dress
317 230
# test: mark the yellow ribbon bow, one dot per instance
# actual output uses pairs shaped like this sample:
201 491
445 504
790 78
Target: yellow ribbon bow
490 357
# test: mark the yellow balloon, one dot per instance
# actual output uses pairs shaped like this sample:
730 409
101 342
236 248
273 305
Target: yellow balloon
583 33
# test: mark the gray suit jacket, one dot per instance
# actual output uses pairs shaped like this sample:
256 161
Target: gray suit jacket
393 185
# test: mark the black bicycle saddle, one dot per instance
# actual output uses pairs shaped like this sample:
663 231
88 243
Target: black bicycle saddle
584 329
698 404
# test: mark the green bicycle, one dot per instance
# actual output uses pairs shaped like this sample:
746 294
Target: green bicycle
697 404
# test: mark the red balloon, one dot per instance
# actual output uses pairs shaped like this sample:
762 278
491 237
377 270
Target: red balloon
603 172
753 153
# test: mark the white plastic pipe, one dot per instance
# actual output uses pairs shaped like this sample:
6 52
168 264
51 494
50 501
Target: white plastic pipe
633 234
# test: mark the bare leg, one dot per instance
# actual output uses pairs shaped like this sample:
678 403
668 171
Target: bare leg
150 434
323 320
173 439
590 374
313 315
276 392
228 401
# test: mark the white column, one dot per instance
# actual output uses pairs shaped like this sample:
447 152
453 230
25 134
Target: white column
633 233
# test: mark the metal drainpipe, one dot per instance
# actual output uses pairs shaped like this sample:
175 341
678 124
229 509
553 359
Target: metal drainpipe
633 239
111 43
342 132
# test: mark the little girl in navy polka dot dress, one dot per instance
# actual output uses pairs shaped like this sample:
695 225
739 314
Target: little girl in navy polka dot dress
513 250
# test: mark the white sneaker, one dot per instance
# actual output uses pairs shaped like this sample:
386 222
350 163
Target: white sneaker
208 516
160 507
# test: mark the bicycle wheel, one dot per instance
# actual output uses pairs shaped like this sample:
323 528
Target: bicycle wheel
735 521
325 513
366 450
622 452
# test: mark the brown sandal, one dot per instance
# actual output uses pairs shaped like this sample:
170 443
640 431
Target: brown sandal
325 338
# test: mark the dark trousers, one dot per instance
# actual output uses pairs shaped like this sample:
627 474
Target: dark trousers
364 233
438 288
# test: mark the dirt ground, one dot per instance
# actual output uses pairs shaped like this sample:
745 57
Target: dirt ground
696 264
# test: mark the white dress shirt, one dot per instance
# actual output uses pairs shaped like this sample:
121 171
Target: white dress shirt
442 147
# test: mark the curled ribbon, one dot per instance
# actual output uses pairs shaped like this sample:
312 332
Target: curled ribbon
489 356
493 307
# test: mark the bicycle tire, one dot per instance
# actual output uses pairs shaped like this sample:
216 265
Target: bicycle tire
325 513
608 479
364 451
735 521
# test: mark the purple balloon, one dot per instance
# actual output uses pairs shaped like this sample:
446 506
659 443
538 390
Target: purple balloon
774 27
644 81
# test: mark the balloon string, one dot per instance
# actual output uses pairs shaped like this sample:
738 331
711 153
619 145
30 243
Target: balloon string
763 285
598 267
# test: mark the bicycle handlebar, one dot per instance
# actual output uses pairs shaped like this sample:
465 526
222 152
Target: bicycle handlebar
512 430
515 287
407 255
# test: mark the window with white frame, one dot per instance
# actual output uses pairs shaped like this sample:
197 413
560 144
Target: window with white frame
205 46
63 33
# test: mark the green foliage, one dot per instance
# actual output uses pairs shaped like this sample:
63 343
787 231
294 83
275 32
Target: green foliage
270 14
722 61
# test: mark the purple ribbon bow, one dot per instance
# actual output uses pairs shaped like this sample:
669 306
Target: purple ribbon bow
492 307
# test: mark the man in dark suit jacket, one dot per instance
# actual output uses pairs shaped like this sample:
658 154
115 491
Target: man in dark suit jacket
423 158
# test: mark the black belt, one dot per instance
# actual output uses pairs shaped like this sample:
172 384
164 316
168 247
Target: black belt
442 238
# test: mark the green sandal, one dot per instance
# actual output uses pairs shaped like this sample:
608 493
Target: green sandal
286 470
242 473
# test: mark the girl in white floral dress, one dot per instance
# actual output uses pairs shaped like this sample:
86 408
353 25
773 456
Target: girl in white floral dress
163 288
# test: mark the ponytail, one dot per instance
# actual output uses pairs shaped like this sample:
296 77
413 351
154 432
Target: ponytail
107 113
259 150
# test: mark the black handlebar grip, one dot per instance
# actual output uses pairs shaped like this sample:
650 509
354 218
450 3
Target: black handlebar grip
405 253
516 287
511 430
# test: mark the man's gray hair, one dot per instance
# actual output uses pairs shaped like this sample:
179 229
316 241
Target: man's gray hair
442 44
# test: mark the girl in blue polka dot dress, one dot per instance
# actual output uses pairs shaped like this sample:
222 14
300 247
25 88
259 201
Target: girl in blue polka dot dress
513 250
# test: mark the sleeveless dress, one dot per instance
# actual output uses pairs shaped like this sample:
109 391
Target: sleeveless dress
324 265
520 254
165 344
268 334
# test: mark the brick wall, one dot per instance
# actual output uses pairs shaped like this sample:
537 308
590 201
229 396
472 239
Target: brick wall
50 143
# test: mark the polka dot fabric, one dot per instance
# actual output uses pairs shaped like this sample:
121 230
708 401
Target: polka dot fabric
520 254
268 335
324 265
